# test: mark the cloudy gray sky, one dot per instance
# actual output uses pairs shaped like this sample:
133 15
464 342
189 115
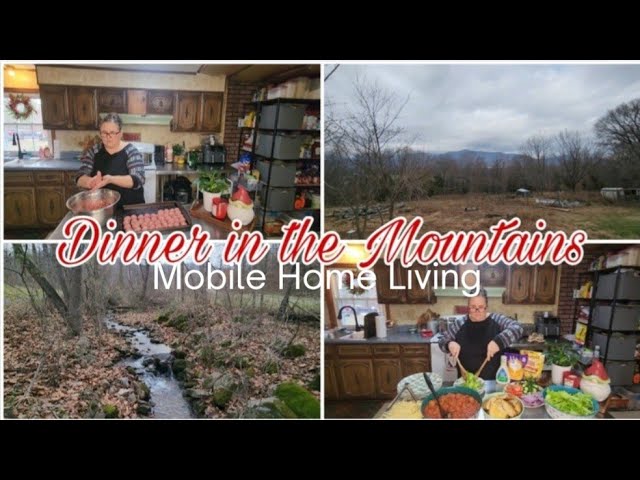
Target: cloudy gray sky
492 107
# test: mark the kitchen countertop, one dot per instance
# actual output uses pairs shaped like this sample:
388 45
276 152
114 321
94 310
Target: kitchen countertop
175 169
398 334
38 164
214 232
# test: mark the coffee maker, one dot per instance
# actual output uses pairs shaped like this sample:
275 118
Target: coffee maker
214 155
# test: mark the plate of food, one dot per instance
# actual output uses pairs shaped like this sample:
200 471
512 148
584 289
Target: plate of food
532 396
502 406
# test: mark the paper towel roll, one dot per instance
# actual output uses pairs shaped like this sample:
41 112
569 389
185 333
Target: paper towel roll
381 327
56 149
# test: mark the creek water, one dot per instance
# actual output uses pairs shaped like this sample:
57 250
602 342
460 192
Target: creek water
166 394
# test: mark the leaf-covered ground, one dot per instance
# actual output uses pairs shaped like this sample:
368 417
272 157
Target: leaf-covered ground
226 362
49 374
246 349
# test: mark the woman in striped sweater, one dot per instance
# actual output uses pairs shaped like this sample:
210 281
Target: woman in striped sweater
113 164
480 335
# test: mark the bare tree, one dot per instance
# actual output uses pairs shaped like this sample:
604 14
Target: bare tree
536 150
619 133
576 156
619 129
368 157
70 311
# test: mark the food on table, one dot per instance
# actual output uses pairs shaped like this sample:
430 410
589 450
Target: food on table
515 365
535 363
472 382
404 409
502 406
533 400
89 205
165 218
515 389
579 403
456 405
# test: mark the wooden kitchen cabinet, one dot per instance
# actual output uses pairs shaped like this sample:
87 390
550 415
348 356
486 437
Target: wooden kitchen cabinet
137 102
415 365
51 205
112 100
211 112
400 277
383 283
416 294
544 291
358 371
531 285
84 108
331 391
55 107
519 284
69 108
356 378
186 112
37 199
19 207
160 102
387 373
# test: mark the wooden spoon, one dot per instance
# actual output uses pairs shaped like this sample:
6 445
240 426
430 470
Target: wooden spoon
482 366
462 369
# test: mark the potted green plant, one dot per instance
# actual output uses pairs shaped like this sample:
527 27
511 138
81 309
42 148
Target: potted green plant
562 358
178 153
212 185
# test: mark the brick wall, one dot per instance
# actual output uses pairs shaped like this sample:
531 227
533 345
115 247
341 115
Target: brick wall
569 280
237 95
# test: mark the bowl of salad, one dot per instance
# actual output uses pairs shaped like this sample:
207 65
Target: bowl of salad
472 382
568 402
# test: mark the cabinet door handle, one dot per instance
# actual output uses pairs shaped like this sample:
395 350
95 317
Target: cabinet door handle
51 206
519 284
18 209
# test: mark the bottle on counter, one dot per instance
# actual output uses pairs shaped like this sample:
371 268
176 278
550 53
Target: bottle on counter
502 376
596 353
168 153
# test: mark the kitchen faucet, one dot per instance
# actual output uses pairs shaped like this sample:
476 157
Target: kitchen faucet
16 141
355 316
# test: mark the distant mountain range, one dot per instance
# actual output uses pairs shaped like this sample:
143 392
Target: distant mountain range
488 157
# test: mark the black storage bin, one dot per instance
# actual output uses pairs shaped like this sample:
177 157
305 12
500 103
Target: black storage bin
621 347
625 317
289 118
628 286
283 174
620 373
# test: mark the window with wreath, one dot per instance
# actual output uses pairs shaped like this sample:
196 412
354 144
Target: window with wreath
362 300
32 135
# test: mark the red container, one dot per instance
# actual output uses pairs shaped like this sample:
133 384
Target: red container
424 333
570 380
219 208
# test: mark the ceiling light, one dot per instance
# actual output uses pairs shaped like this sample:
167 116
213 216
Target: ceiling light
11 71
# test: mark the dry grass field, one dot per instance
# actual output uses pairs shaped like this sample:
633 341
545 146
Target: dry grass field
599 218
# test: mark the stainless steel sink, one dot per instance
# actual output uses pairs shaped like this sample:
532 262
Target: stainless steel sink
16 162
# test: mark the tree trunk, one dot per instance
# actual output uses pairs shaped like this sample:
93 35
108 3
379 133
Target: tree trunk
72 313
74 317
144 272
284 304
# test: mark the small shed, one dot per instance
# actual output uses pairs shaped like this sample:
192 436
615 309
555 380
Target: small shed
612 194
522 192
